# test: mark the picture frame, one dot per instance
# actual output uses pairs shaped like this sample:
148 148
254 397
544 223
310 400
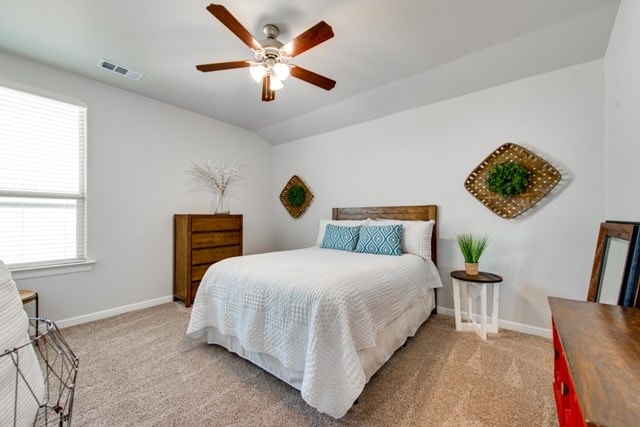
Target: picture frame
615 273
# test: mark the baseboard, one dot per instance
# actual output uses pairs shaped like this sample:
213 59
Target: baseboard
65 323
505 324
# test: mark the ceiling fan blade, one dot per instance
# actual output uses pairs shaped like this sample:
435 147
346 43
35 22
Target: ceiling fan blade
267 93
217 66
315 35
313 78
229 21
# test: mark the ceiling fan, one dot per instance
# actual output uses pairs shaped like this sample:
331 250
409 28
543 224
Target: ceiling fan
271 65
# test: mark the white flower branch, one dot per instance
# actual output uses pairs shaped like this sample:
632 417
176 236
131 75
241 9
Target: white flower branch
214 176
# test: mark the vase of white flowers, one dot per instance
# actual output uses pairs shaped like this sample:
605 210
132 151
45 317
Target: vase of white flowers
222 204
215 177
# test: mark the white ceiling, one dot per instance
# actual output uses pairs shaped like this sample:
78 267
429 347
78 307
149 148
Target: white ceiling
387 55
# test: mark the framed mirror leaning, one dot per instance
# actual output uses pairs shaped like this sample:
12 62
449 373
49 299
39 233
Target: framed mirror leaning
616 265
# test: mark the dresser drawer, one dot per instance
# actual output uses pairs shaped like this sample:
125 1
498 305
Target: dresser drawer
221 238
197 271
567 405
210 255
220 223
193 292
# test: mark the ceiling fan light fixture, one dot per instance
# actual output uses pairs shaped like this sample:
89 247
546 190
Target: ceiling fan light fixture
281 70
271 57
257 72
275 83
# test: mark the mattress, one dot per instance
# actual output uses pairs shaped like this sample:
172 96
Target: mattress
322 320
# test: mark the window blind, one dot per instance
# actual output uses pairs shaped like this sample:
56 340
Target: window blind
42 180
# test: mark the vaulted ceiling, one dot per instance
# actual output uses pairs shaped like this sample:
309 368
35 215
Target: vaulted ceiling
387 55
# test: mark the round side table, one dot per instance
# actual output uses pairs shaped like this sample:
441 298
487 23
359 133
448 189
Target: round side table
479 284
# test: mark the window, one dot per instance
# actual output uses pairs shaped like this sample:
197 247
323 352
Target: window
42 180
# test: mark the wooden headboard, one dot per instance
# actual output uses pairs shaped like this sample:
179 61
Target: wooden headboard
406 213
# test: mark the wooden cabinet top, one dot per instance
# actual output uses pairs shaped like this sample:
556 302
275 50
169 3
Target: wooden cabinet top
602 348
207 216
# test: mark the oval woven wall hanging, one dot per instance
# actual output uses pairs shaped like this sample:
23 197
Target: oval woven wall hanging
542 178
296 197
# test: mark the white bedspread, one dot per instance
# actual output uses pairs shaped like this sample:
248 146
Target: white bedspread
312 309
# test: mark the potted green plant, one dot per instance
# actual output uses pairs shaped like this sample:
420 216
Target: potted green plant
472 246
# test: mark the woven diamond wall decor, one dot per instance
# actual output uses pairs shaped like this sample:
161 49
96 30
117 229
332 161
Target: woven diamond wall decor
542 178
296 197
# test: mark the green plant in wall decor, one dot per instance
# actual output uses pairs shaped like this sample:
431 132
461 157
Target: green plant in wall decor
507 179
511 180
296 197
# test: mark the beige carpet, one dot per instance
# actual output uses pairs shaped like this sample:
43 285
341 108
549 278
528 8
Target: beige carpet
139 369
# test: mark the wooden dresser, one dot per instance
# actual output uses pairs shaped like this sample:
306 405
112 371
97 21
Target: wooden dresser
597 363
199 241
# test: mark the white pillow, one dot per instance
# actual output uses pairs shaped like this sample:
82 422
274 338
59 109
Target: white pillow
416 236
14 326
341 223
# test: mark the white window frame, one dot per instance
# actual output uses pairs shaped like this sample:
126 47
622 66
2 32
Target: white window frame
55 266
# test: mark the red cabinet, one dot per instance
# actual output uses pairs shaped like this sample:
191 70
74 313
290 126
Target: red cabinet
597 363
569 413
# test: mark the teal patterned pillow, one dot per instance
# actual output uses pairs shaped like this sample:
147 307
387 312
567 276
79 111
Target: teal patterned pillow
383 240
341 238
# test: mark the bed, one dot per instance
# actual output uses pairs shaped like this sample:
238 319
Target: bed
323 320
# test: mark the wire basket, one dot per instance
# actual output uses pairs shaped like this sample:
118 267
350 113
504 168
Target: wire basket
59 367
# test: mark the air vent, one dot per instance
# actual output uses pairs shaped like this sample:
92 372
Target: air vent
113 67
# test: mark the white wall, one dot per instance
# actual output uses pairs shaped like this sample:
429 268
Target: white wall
138 151
622 108
423 156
